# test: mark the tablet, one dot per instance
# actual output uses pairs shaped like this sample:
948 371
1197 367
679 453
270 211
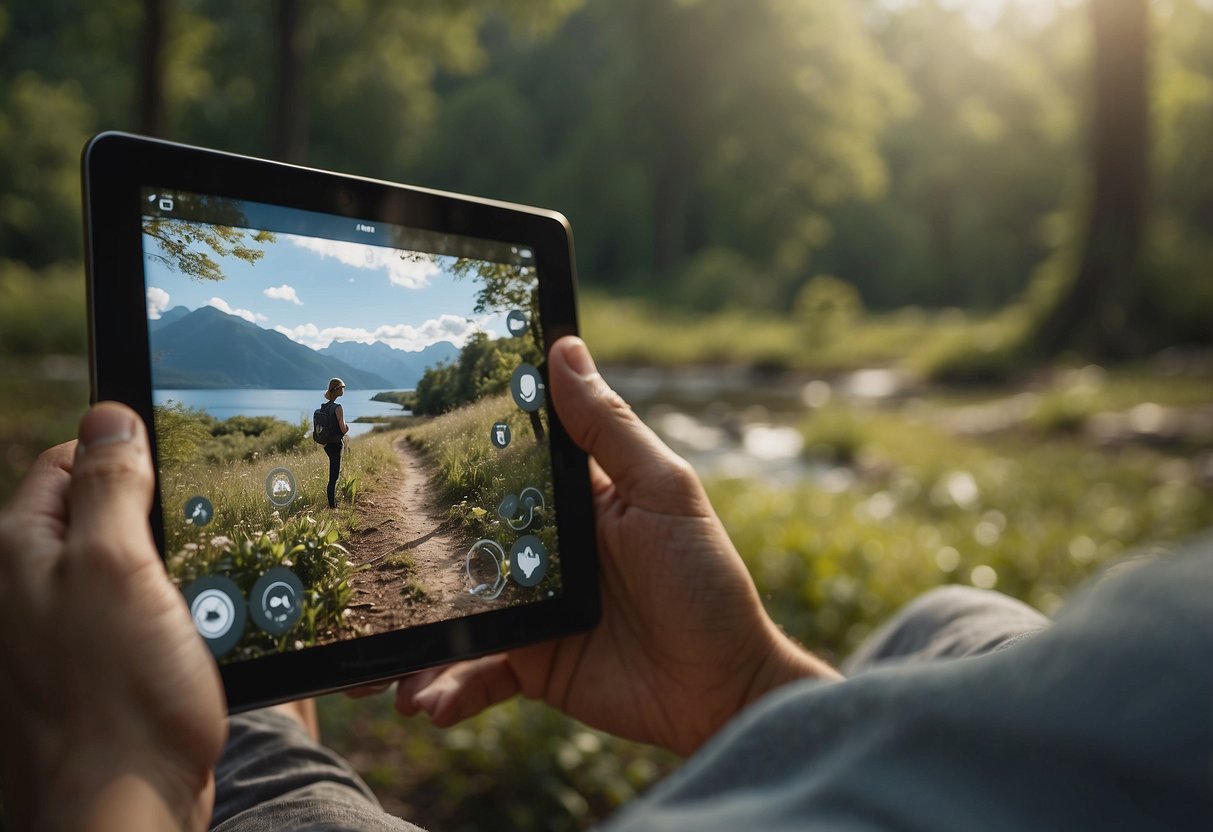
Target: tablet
359 472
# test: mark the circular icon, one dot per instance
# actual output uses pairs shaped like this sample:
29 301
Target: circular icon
198 511
218 610
499 435
276 601
526 385
280 487
516 323
483 564
518 510
528 560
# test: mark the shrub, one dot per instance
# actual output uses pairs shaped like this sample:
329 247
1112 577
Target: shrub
825 307
305 545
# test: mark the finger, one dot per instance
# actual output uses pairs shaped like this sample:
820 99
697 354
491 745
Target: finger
111 487
642 467
363 691
35 521
463 690
409 686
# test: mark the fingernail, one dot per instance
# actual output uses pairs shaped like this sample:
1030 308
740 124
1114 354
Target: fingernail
578 358
106 425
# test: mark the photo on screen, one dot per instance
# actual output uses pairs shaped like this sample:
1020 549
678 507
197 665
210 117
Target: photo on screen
258 317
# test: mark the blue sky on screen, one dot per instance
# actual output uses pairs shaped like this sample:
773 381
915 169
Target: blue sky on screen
318 291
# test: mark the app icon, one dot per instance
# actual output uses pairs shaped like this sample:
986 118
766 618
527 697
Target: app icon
528 560
218 610
485 569
166 203
198 511
518 511
499 435
516 323
280 487
277 600
526 385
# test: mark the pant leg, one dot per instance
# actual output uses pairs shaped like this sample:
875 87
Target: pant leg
334 454
273 776
947 622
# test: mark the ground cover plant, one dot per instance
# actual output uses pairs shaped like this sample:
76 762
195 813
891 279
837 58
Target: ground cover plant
908 497
475 476
227 461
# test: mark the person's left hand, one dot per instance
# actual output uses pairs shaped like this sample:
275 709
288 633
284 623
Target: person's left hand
113 712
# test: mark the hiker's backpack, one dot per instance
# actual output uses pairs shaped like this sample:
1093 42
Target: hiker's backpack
324 424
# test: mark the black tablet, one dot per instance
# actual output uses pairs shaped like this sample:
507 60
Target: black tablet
359 471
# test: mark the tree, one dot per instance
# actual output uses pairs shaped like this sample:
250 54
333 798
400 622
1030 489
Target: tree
288 137
1094 314
150 103
186 246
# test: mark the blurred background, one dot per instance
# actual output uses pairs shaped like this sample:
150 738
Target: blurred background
921 287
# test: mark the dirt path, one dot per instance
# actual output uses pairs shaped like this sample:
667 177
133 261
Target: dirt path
414 562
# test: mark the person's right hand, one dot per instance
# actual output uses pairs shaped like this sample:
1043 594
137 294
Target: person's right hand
684 641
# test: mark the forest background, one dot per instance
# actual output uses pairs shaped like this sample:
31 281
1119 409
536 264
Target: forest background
1013 195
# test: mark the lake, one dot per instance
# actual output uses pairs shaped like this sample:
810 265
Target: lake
291 406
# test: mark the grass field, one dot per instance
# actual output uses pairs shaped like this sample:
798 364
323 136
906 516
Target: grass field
248 534
914 495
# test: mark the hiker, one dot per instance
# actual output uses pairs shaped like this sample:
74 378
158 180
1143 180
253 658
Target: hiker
967 711
330 426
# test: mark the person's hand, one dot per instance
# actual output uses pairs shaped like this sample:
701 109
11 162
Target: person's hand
113 711
684 642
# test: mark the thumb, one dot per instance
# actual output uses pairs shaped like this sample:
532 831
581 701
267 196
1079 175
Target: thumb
112 481
641 466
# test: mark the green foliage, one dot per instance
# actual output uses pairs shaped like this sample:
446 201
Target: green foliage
179 433
719 278
826 308
520 765
303 544
483 369
181 245
988 353
42 311
475 476
43 126
917 507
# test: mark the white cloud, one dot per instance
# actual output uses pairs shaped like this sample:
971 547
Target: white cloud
223 306
157 302
405 268
283 292
451 328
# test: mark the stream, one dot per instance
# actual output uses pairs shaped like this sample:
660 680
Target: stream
736 422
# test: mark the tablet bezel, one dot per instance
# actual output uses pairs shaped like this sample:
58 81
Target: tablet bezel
116 166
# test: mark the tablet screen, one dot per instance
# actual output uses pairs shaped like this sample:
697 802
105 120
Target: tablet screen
349 422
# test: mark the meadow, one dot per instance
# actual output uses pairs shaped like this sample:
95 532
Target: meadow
228 462
474 476
1028 486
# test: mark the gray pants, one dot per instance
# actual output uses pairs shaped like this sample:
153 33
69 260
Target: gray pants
272 775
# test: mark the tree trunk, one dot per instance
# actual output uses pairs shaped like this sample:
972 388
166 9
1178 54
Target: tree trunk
1094 315
149 115
288 129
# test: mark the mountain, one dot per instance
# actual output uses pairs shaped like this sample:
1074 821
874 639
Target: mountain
403 369
172 316
210 349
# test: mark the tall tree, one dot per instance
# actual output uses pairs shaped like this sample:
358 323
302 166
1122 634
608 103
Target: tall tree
150 103
288 139
1094 313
